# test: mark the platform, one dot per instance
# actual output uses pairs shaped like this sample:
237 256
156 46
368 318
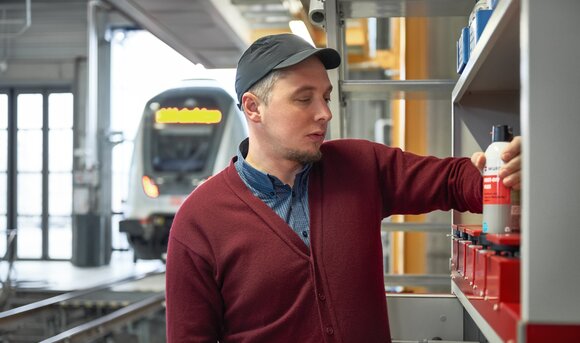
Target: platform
63 276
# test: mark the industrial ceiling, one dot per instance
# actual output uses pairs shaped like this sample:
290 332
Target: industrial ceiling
211 32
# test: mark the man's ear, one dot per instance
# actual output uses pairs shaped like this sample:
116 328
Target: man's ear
251 106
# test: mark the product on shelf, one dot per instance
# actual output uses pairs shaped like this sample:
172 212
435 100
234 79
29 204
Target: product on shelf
496 196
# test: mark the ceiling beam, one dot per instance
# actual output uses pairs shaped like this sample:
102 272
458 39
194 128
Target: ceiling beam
141 16
137 14
229 19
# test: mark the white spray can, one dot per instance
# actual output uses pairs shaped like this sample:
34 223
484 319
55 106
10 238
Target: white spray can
496 196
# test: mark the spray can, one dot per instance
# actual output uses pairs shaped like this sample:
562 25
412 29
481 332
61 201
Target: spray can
496 196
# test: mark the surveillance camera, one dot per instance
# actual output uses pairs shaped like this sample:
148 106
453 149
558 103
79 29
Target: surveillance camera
316 13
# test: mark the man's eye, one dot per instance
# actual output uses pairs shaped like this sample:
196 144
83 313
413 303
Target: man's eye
304 99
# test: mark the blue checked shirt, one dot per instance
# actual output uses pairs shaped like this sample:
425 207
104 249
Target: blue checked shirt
291 204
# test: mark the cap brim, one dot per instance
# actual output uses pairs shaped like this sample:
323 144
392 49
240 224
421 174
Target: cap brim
329 57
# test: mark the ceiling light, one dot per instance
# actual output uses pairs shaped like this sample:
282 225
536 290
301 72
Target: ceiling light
299 28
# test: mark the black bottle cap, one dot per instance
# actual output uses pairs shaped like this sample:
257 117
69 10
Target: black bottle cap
501 133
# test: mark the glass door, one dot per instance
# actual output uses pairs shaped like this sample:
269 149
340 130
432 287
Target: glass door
60 165
42 124
29 192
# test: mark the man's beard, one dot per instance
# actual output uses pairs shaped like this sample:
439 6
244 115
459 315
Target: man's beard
304 157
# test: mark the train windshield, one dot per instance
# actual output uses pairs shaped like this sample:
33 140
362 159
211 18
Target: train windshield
185 128
181 147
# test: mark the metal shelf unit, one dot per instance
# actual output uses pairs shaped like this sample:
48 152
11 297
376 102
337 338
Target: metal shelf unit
481 323
523 72
494 62
336 11
405 8
397 89
487 91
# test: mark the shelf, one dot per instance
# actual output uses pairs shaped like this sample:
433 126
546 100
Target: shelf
405 8
481 323
494 62
405 89
423 280
529 82
388 226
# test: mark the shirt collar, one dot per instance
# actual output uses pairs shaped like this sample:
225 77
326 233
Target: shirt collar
263 182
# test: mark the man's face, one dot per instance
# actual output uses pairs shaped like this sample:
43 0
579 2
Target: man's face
296 118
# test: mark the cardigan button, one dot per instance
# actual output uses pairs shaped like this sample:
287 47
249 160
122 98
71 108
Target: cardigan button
321 296
329 330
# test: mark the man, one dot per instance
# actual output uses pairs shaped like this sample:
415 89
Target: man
284 245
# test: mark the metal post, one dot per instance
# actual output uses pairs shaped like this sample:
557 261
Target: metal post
92 181
12 200
334 39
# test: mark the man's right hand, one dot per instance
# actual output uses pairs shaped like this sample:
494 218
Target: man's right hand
511 171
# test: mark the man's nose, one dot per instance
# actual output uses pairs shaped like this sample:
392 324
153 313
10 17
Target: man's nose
323 112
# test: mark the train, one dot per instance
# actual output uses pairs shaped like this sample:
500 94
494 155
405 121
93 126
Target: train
186 134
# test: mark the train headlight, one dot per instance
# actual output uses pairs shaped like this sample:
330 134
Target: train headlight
149 186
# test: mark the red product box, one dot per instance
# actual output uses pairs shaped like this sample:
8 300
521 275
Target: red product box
454 253
503 279
474 231
508 239
480 271
461 256
470 262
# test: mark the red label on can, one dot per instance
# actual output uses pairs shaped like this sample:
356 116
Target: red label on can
494 191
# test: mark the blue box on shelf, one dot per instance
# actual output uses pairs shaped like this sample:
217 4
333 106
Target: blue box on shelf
462 49
477 25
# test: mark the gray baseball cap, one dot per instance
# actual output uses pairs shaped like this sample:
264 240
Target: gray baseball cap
276 52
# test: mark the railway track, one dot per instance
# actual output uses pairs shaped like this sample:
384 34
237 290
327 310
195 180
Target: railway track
127 310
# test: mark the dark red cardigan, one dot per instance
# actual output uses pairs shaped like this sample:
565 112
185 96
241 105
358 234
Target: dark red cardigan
236 272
